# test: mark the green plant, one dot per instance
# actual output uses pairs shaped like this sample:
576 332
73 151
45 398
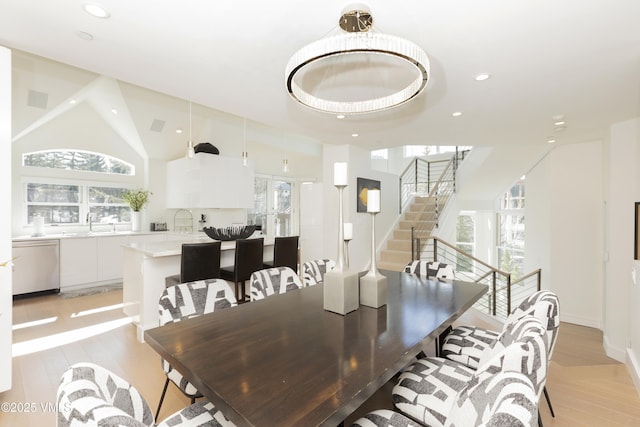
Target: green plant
136 198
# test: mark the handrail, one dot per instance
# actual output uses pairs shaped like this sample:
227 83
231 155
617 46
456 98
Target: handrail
472 269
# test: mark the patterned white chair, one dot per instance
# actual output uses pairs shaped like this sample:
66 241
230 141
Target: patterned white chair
184 301
90 395
500 400
428 389
273 281
466 344
430 269
313 271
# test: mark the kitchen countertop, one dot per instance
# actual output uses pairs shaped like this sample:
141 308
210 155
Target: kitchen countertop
77 234
174 247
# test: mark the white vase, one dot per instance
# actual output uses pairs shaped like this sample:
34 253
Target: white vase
135 221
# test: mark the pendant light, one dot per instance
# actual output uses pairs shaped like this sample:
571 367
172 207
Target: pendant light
190 150
245 155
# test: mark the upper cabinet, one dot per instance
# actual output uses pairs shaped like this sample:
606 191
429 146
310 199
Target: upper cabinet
209 181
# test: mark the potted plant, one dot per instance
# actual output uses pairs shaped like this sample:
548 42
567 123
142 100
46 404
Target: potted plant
136 199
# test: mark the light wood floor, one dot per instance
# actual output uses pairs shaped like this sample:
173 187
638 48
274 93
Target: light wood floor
586 387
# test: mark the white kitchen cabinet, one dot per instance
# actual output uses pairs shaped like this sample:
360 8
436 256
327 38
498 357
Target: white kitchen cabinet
78 261
110 257
209 181
91 260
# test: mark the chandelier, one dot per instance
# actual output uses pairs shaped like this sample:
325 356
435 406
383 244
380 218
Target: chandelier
357 71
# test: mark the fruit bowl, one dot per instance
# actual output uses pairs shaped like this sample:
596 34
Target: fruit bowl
230 233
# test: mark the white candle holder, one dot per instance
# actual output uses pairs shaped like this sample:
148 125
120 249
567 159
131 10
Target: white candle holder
340 292
373 285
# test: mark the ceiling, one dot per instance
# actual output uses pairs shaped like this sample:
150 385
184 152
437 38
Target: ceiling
575 59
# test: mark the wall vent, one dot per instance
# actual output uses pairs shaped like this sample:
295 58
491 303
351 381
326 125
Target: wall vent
157 125
37 99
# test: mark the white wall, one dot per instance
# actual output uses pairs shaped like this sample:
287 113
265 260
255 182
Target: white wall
6 300
565 216
621 194
359 165
622 322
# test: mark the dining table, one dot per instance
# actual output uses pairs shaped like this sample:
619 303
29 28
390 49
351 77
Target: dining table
285 361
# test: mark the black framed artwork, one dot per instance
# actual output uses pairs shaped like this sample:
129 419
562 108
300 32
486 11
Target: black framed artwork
363 186
636 240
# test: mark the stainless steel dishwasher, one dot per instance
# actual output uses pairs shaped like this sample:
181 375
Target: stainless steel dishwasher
36 266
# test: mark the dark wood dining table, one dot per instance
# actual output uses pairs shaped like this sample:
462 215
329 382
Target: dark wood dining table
285 361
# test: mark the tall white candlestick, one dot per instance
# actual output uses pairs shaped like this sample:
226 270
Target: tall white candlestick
348 231
340 174
373 201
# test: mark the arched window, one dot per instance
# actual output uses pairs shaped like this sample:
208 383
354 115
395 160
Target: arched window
77 160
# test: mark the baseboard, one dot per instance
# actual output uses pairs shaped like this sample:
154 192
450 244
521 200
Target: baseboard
612 351
633 366
582 321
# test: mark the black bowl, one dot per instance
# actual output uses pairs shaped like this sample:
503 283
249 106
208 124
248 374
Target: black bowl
230 233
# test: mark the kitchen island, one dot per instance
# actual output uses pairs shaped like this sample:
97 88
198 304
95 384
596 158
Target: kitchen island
146 265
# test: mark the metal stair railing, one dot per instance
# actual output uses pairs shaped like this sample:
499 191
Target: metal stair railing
504 292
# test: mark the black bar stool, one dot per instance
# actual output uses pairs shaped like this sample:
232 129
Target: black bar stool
198 261
285 253
248 258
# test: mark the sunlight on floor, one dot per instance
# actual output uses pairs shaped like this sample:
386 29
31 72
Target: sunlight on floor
97 310
63 338
34 323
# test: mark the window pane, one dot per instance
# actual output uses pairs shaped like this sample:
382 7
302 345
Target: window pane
110 214
52 193
107 195
282 207
380 154
77 160
53 214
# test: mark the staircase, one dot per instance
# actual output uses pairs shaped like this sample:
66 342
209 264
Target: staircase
421 214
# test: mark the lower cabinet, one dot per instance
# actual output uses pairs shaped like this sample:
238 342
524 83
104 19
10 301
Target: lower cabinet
88 260
110 257
78 261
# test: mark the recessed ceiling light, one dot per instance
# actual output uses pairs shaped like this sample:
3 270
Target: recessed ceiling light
114 111
456 114
84 35
483 76
355 135
550 140
96 10
340 116
559 123
179 130
73 101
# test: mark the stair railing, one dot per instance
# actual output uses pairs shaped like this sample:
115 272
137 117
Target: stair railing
504 293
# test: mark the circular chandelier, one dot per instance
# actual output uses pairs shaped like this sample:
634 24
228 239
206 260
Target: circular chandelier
356 40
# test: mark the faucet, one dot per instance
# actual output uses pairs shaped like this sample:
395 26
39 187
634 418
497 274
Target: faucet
90 221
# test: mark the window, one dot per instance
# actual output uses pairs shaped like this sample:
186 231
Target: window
465 240
69 203
380 154
77 160
415 150
58 204
273 206
511 230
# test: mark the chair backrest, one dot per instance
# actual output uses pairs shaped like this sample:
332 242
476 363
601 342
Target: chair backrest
545 306
430 269
313 271
504 399
273 281
508 384
248 258
192 299
200 261
91 395
285 252
521 347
